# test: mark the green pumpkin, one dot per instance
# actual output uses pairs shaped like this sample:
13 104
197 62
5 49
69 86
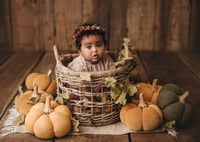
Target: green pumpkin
172 102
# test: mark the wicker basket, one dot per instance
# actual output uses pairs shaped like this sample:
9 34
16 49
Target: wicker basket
89 101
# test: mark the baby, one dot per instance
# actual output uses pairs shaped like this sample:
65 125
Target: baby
91 44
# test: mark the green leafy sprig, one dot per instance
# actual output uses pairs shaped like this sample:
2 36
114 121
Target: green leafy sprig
120 91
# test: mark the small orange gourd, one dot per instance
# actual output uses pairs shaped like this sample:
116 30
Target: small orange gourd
46 121
150 91
29 80
23 103
139 115
43 81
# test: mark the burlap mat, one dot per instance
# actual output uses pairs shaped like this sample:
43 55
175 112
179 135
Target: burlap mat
114 129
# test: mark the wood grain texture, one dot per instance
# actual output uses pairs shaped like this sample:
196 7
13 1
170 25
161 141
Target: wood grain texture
152 137
151 25
159 25
169 68
47 63
117 29
191 60
22 15
47 29
12 75
95 11
178 25
22 138
194 32
5 27
67 16
140 23
4 56
96 138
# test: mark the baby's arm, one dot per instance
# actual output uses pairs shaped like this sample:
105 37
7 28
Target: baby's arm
77 64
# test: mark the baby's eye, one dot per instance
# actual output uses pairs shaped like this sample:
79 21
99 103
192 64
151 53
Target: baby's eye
99 44
88 46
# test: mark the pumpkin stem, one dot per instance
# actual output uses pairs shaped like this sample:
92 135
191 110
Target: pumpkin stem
154 83
183 97
55 49
141 103
125 45
125 50
47 108
35 92
49 72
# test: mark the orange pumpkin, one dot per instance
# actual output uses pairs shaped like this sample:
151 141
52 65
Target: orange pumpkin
150 91
139 115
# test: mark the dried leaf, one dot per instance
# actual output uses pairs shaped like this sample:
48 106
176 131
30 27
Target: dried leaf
126 40
19 120
42 100
20 92
86 76
131 53
120 63
122 98
75 125
119 91
110 82
65 96
115 93
168 125
131 89
33 100
59 99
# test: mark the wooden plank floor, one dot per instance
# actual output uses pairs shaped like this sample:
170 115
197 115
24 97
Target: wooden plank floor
182 69
4 57
12 74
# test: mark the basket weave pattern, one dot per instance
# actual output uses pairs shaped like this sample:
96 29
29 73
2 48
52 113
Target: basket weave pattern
90 101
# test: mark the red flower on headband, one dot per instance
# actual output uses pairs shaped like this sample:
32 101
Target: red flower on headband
87 28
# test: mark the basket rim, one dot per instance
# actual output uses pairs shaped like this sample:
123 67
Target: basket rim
107 73
131 64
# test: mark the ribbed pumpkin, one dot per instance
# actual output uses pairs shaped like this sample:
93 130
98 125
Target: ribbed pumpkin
43 81
139 115
172 102
46 121
23 101
150 91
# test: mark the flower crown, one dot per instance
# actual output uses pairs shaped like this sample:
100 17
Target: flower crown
84 28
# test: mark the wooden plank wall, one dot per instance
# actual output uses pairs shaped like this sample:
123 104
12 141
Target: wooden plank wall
5 27
195 28
159 24
151 25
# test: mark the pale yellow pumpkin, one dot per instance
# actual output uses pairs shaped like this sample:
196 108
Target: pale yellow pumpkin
23 103
43 81
46 121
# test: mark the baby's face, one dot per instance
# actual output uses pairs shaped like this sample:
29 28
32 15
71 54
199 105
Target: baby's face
92 48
